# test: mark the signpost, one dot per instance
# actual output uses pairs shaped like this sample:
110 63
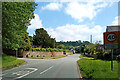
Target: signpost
112 41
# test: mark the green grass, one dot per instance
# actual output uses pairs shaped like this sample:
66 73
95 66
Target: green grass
10 62
47 57
93 68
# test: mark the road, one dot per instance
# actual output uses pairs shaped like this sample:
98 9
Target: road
45 68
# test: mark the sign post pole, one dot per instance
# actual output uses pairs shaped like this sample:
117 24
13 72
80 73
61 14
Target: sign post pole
112 60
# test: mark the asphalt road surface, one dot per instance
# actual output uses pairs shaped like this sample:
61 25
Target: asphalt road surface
45 68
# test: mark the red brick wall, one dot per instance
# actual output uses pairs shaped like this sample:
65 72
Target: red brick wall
38 53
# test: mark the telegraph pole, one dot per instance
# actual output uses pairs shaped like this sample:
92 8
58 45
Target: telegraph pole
90 38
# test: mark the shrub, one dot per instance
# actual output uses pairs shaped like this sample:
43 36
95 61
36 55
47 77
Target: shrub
67 51
47 49
56 50
43 49
61 50
33 49
118 58
104 56
21 50
51 50
30 49
37 49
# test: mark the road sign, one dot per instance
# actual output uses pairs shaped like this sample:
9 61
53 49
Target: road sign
111 37
112 40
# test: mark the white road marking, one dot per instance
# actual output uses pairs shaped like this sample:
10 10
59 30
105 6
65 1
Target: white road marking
17 73
34 69
46 70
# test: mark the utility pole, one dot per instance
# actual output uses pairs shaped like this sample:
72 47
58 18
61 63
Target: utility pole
90 38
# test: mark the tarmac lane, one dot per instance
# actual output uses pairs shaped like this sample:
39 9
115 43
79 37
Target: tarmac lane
45 68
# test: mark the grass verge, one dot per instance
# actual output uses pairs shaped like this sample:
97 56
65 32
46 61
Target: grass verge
94 68
10 62
48 57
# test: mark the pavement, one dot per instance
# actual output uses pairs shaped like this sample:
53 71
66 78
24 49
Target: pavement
45 68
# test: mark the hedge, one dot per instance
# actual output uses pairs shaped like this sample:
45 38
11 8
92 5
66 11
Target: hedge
50 49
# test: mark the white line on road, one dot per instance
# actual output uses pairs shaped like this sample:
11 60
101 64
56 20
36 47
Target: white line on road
46 70
34 69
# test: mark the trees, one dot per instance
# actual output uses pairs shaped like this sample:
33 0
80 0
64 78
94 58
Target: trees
15 17
61 46
70 43
94 48
31 39
52 42
27 44
42 38
69 47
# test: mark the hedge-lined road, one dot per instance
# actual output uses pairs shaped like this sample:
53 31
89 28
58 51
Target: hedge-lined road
46 68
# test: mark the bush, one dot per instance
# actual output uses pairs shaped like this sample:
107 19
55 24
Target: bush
50 49
43 49
118 58
37 49
60 50
99 55
56 50
33 49
67 51
104 56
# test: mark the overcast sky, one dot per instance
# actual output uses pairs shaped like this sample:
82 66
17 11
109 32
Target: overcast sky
71 21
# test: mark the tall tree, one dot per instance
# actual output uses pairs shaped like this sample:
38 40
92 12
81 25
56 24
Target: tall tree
15 17
41 38
52 42
31 39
